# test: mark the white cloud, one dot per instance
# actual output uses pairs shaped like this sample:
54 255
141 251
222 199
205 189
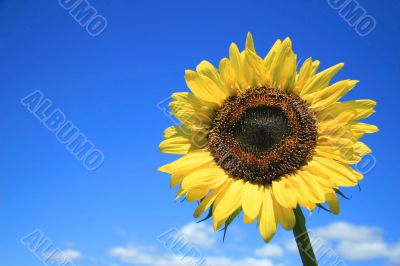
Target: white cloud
353 242
69 244
224 261
199 234
61 256
395 256
369 250
185 247
270 250
136 256
343 231
291 246
362 250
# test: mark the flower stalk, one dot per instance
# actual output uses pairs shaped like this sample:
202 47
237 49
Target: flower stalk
303 240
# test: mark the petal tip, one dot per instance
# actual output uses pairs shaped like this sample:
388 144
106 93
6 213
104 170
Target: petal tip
164 169
250 42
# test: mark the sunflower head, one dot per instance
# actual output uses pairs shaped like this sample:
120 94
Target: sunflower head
259 136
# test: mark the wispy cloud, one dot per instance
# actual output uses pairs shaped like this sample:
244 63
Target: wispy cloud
356 242
348 232
199 234
66 255
196 244
196 238
135 256
271 251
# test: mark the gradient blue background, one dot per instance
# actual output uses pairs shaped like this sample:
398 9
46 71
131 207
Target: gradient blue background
109 86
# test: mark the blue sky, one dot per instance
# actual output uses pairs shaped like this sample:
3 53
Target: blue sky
110 86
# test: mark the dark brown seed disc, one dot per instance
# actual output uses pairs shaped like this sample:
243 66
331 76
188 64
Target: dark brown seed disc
262 134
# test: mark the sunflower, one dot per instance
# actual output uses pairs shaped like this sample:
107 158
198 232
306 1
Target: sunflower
259 137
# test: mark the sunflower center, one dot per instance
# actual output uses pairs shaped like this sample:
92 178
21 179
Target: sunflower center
261 128
262 135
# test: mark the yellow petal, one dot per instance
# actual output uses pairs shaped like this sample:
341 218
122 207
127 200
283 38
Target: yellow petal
320 80
196 194
249 78
307 71
315 65
267 222
175 131
204 88
210 198
177 145
347 141
180 193
333 202
190 99
227 75
188 162
314 189
361 149
250 42
175 180
207 69
282 194
338 127
285 216
358 109
235 59
227 203
255 72
341 174
196 139
210 177
272 54
325 97
251 201
359 129
304 197
189 116
282 70
347 156
325 183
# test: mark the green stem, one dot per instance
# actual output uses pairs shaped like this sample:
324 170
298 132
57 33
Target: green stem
303 240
